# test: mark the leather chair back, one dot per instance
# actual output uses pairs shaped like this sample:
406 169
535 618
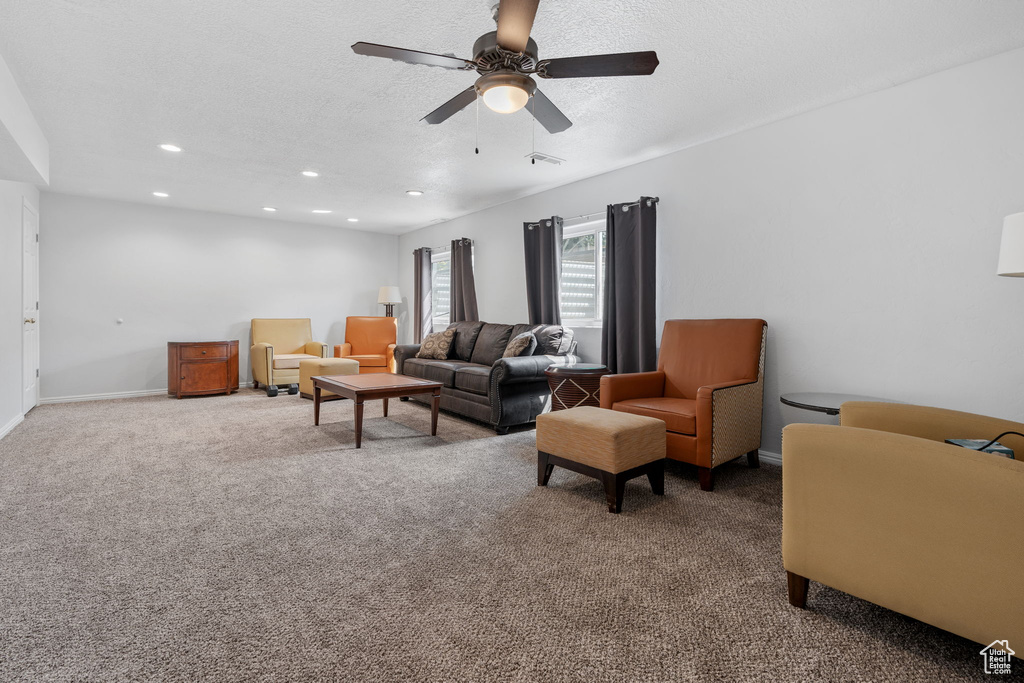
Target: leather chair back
696 353
286 335
370 335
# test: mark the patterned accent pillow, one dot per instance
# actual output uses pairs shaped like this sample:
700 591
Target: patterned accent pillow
521 345
437 345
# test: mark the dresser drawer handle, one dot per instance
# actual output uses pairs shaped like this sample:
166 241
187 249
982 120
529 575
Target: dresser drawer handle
204 353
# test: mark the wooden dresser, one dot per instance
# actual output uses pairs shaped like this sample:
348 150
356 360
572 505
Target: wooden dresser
198 368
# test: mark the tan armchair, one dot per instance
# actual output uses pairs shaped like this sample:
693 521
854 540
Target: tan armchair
278 344
708 389
879 507
371 341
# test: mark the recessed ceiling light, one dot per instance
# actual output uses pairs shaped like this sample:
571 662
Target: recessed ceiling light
170 148
414 193
161 194
269 208
310 174
353 220
321 210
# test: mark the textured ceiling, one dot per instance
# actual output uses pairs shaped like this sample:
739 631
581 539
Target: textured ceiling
258 90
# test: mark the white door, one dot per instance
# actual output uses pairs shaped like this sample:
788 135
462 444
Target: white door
30 306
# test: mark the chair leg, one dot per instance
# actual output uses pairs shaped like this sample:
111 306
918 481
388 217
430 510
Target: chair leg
706 478
797 587
752 459
255 384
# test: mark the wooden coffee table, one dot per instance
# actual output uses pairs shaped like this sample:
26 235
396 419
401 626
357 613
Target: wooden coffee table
383 385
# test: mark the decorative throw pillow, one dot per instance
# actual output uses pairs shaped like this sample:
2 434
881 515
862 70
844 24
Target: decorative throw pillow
520 345
437 345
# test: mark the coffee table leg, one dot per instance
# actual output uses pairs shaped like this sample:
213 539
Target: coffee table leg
316 406
433 412
385 407
359 422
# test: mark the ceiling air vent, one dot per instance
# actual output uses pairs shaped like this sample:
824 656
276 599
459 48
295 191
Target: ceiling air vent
538 156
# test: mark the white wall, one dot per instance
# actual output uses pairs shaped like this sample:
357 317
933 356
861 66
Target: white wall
866 233
21 139
179 275
12 196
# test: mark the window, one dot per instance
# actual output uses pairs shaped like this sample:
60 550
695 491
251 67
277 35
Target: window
441 289
582 284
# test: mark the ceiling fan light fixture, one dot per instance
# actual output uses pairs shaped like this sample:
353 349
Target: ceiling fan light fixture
505 92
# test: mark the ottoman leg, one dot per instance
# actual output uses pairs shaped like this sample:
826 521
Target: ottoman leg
656 475
614 488
707 482
544 468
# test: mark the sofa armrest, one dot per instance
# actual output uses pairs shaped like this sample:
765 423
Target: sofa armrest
615 388
317 349
526 368
928 529
261 357
403 352
342 350
937 424
390 357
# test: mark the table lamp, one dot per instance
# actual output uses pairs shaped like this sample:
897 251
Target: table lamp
389 296
1011 250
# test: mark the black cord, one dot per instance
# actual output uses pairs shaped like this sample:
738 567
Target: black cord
981 448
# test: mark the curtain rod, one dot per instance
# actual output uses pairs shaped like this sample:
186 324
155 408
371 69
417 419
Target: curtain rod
650 201
446 247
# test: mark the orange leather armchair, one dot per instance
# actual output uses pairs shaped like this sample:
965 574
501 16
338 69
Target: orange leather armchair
708 389
371 341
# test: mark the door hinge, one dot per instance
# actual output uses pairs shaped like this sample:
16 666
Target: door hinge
37 237
37 372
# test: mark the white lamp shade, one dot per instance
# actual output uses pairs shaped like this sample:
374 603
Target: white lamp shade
1011 250
389 295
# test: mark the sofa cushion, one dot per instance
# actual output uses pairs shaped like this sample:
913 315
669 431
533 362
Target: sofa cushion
465 339
437 345
521 345
679 414
370 360
435 370
491 343
289 361
473 378
552 340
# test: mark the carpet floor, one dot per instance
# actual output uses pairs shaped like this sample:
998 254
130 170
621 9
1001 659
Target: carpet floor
226 538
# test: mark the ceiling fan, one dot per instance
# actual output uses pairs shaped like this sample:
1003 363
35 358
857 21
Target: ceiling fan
506 59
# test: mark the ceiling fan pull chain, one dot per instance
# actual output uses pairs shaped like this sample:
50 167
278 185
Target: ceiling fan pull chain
533 129
478 123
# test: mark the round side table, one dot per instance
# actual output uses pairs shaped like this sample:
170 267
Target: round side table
575 385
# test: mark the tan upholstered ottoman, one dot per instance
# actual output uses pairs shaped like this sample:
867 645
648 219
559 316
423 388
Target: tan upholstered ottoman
609 445
308 369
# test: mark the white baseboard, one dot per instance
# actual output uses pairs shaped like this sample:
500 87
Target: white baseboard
770 458
114 394
7 428
102 397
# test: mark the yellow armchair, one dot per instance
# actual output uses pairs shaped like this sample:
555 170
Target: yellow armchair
880 508
278 344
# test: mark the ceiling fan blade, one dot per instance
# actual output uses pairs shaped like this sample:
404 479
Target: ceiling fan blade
400 54
515 20
547 114
623 64
452 106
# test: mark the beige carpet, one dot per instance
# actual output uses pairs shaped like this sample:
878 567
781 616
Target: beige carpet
226 538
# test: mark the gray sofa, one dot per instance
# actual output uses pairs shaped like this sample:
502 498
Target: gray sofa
480 384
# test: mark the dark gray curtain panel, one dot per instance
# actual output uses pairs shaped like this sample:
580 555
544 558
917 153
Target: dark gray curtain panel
463 296
628 339
542 242
422 313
